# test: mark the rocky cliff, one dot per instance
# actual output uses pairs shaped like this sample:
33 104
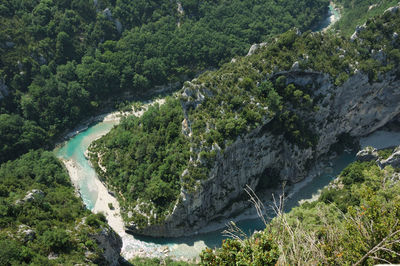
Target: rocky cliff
111 243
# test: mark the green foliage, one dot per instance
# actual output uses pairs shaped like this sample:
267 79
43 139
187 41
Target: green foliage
385 153
57 56
96 220
145 157
10 252
371 220
53 215
56 240
357 12
18 135
260 249
340 231
344 197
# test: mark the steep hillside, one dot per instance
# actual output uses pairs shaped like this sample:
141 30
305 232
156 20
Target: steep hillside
43 221
258 121
355 221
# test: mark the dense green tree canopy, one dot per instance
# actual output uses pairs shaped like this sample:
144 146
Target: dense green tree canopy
62 60
40 214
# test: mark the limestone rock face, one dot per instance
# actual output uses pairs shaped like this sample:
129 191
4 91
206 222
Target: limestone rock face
33 194
357 108
255 47
393 160
30 196
359 29
26 233
367 154
111 243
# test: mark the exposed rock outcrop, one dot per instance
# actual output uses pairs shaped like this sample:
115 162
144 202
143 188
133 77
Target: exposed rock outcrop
30 196
393 160
359 29
25 233
371 154
255 47
367 154
111 243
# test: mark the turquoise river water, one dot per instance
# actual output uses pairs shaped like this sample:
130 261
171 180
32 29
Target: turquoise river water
75 148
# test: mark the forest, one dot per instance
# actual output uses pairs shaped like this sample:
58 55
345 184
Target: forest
64 61
41 215
61 61
153 153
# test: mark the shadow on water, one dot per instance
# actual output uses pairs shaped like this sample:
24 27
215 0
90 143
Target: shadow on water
311 188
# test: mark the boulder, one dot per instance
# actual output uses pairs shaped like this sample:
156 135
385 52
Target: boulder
367 154
393 160
26 233
255 47
33 194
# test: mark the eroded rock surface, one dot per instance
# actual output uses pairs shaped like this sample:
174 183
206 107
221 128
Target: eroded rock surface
111 243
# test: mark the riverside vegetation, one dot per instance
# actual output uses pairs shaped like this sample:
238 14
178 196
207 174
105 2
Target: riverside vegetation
218 107
357 12
42 221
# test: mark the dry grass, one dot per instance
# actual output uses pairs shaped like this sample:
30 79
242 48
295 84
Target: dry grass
300 245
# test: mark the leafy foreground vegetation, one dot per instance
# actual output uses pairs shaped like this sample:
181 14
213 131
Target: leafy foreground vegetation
218 107
354 221
61 61
42 222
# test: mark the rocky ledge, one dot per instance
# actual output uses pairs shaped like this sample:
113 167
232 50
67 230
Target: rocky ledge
111 243
371 154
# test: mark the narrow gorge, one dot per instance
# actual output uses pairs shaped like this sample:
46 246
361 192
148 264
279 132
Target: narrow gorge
234 121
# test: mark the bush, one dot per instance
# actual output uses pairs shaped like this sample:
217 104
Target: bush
260 249
95 220
56 240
